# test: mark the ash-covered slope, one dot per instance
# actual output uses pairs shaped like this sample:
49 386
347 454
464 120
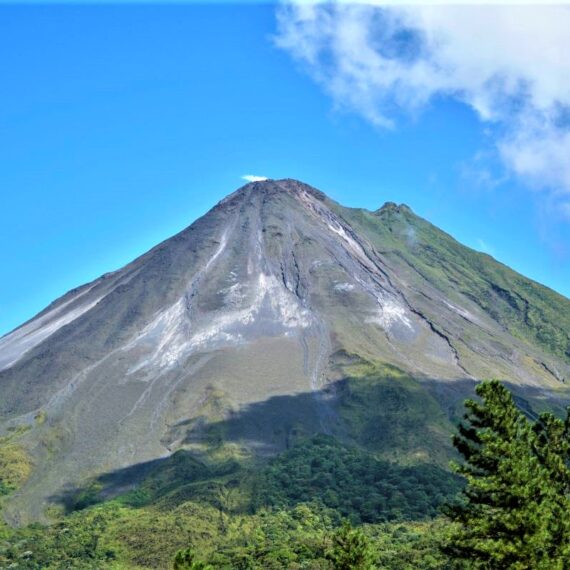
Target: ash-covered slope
264 299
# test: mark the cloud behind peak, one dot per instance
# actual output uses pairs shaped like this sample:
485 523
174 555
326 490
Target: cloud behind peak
507 63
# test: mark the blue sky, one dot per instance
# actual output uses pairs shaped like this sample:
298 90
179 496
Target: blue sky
120 125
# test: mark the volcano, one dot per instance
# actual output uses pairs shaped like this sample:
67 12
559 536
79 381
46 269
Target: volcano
278 314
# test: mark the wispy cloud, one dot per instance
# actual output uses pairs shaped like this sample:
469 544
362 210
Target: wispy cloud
253 178
508 63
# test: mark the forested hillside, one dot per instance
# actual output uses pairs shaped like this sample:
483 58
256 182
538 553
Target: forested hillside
323 505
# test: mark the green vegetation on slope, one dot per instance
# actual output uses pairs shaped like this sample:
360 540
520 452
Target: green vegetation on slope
293 511
527 309
354 483
278 515
114 537
390 413
15 466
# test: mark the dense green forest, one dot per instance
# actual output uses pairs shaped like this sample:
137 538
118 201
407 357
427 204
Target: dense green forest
323 505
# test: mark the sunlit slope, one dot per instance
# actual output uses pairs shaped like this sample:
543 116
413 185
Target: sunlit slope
503 314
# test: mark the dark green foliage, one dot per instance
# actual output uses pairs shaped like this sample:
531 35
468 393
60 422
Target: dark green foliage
513 515
551 445
351 549
354 483
186 560
5 489
85 497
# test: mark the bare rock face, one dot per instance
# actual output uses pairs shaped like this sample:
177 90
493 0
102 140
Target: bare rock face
256 302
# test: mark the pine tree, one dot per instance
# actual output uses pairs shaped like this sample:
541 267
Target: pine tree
552 448
517 479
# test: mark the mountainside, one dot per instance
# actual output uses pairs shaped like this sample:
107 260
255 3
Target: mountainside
279 314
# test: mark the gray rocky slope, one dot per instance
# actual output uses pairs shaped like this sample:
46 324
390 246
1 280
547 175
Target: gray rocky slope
257 299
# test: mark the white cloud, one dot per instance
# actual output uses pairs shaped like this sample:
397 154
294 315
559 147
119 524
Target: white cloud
253 178
508 63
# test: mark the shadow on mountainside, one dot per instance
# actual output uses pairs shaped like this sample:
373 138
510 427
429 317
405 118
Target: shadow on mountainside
394 429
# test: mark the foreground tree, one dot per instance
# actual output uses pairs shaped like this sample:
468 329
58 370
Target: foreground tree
552 448
513 512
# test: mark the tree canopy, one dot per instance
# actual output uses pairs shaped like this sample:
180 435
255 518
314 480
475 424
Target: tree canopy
513 512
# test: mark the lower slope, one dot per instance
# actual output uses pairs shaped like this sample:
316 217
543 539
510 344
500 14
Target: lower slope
383 467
